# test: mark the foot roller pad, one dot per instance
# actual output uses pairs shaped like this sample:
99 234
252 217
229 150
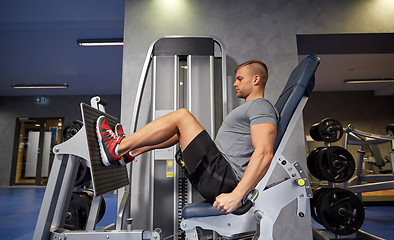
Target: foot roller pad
105 179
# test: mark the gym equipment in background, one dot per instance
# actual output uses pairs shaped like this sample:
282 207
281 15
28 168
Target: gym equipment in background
340 210
363 182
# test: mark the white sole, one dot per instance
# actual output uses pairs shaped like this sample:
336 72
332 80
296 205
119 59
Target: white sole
104 158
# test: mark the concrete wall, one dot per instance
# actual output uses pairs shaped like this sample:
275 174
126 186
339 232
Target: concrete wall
264 29
12 108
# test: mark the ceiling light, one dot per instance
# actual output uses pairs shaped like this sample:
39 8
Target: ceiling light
369 80
40 86
100 42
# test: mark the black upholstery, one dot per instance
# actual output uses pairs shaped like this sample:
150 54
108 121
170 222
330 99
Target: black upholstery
300 84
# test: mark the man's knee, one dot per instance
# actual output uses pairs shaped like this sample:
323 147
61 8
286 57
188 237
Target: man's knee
185 116
183 112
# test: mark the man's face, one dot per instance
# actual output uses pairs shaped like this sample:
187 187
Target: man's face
243 82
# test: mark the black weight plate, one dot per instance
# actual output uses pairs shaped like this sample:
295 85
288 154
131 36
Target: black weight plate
330 130
78 212
319 171
83 175
314 200
311 161
340 211
314 132
70 131
89 193
335 164
78 124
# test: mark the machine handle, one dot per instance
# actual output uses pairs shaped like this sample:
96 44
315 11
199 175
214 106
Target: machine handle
244 208
248 204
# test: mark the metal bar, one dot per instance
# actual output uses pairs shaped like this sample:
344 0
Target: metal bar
175 177
370 187
93 213
224 75
372 135
212 96
42 230
318 235
92 235
140 89
376 178
67 186
121 211
189 107
367 236
189 84
152 162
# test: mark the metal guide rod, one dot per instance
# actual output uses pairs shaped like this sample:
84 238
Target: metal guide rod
66 189
176 106
189 85
212 98
153 153
48 206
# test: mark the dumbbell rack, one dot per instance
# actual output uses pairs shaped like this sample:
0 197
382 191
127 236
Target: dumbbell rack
332 199
83 147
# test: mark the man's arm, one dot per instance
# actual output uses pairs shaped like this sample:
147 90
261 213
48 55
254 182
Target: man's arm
263 138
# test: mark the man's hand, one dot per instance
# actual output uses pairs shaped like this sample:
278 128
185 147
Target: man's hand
227 202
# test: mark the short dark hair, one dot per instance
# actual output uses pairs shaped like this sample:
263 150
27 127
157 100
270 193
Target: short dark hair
261 63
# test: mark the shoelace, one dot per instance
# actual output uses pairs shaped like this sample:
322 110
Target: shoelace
110 136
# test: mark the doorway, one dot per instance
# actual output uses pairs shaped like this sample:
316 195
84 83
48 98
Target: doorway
33 143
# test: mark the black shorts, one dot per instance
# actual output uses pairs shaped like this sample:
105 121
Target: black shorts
207 169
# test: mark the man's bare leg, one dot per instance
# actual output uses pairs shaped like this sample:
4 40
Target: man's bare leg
162 130
170 142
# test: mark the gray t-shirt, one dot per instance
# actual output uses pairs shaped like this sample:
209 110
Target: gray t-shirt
234 139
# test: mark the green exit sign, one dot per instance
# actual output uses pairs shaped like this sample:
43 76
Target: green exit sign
39 99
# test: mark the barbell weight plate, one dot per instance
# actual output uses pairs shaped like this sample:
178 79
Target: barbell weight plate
330 130
78 212
83 174
340 211
311 162
335 164
314 132
314 200
70 131
89 193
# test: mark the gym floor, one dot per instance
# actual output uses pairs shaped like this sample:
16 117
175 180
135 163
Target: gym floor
20 207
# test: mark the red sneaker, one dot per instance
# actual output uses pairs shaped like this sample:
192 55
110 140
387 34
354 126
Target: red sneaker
126 158
108 141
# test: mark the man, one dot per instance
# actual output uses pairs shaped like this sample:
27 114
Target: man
224 171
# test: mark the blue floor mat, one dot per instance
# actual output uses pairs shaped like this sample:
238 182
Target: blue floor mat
19 209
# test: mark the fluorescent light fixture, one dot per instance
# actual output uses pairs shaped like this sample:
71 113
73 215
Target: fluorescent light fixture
369 80
100 42
39 86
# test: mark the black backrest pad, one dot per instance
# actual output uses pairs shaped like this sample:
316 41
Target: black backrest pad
300 83
105 179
